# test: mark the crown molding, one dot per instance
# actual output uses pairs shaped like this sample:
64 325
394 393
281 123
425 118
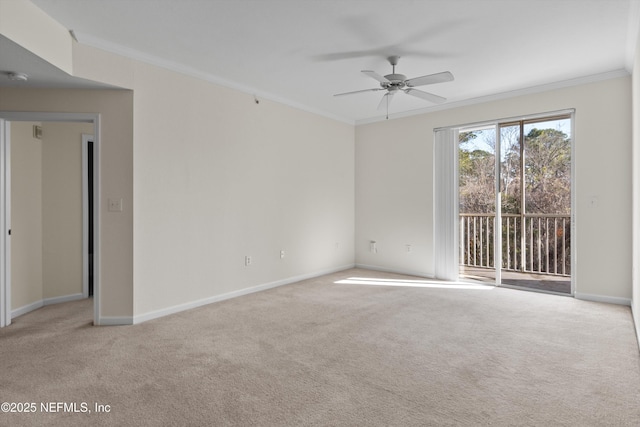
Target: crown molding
192 72
137 55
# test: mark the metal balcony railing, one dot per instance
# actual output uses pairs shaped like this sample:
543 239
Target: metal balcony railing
531 243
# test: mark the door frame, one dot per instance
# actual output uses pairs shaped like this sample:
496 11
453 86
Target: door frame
5 198
86 138
5 223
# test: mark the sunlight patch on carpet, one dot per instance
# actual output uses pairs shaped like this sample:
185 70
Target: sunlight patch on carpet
412 283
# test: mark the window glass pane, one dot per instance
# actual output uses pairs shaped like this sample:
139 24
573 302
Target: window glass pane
477 171
548 167
510 169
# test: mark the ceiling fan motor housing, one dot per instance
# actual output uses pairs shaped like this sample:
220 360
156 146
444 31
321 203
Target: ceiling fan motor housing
396 81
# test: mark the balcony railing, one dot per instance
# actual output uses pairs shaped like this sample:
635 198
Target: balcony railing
531 243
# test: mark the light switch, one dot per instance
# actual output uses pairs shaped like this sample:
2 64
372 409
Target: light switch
115 205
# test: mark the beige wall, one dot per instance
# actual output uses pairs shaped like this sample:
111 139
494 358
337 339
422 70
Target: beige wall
26 215
116 176
46 211
62 207
394 182
218 177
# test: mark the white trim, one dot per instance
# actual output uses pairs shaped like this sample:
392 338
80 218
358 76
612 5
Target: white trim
65 117
85 214
486 124
397 271
234 294
27 309
636 325
497 219
41 303
37 116
603 298
5 223
97 138
61 299
504 95
177 67
574 207
127 52
115 321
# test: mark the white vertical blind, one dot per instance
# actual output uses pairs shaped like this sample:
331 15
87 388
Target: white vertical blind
446 204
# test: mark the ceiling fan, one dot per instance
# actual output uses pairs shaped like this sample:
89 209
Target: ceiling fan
393 83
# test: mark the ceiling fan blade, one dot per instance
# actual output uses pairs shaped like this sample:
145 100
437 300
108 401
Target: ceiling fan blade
358 91
430 79
386 100
376 76
425 95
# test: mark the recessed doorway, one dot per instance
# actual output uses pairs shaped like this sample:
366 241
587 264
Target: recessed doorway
73 277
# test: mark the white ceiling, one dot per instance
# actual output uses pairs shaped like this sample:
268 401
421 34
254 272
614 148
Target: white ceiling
301 52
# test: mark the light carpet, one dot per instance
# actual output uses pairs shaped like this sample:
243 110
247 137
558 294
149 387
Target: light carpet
400 351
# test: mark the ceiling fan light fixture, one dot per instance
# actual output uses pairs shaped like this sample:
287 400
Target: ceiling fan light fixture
17 77
395 82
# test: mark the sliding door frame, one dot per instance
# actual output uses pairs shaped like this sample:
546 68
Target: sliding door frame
446 196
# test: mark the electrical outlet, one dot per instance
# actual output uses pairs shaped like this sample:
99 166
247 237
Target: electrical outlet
115 205
282 254
408 248
247 261
373 247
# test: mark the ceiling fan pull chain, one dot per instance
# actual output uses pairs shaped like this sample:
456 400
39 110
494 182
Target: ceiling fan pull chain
388 105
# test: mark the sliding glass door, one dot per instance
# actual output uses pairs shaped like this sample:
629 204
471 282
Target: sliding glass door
477 202
515 207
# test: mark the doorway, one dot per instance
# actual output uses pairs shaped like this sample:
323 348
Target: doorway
89 217
88 214
515 198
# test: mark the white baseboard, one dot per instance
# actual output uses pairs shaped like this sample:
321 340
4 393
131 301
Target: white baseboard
26 309
397 271
636 323
603 298
41 303
114 321
64 298
216 298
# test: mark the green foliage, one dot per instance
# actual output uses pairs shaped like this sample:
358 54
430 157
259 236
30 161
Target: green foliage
466 136
547 173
